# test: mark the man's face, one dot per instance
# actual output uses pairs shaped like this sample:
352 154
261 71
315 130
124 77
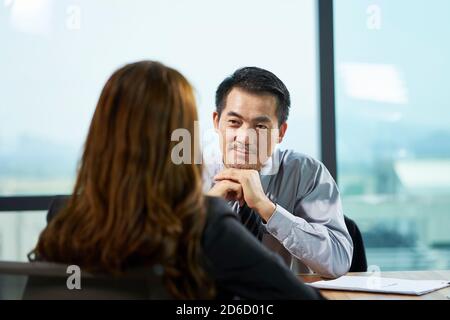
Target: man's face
248 128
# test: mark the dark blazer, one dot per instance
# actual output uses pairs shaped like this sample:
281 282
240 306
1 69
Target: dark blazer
240 265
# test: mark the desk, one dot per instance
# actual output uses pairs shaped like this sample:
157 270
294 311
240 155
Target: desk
411 275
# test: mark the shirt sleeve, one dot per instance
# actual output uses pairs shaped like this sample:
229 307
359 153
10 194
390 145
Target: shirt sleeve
315 232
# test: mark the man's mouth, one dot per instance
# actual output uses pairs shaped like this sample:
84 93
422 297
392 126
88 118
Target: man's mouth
241 151
242 158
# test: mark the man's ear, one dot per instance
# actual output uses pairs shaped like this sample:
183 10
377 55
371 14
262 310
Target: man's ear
216 119
282 132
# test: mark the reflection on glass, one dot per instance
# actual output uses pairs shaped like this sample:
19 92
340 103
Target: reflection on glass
393 128
56 56
19 232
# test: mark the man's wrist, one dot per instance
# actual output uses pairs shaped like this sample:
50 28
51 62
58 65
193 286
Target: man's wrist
266 209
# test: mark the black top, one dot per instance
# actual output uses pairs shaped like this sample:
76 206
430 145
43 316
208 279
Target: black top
240 265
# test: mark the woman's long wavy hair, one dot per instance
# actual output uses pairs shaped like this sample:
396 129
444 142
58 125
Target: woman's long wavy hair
131 204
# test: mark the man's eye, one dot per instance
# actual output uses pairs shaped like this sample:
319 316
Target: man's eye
261 126
233 122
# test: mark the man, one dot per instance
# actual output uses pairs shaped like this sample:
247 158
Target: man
286 199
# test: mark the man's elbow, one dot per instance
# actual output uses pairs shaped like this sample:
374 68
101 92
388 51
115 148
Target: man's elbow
340 263
339 270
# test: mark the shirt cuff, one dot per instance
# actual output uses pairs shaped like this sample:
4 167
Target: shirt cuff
280 223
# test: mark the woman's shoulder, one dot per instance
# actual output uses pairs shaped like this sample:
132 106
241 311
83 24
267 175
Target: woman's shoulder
217 209
57 203
218 216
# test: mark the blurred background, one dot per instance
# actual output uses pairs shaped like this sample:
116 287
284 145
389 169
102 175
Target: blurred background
391 103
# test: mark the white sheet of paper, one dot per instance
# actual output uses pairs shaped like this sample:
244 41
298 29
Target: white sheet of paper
382 285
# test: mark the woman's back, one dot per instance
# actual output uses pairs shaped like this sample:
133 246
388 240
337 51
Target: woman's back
240 265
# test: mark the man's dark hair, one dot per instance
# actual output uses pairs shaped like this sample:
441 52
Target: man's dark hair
258 81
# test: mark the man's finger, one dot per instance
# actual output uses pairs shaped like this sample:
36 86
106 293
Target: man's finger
228 174
234 187
238 192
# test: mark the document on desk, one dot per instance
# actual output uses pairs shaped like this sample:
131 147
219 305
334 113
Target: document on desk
382 285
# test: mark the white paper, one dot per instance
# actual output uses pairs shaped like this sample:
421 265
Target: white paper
382 285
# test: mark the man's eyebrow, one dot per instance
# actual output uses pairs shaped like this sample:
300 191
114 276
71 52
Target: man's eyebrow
254 120
234 114
262 119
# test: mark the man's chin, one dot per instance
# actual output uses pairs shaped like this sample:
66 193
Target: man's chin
244 166
237 161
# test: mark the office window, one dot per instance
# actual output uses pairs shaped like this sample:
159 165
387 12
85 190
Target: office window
57 54
19 232
393 128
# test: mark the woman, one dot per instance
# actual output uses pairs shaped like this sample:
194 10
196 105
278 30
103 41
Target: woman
132 206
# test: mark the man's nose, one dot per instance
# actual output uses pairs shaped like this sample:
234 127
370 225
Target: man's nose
246 136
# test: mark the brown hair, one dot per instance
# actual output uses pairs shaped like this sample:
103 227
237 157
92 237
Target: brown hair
131 204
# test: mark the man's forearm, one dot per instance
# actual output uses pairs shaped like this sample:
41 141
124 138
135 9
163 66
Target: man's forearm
327 252
265 209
